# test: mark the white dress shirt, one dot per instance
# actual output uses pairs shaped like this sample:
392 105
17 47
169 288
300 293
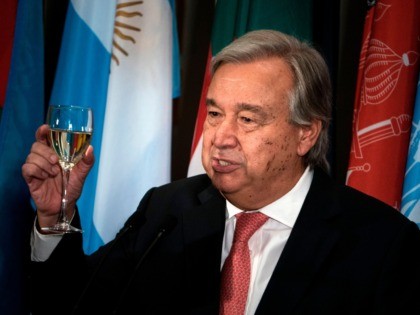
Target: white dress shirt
42 245
267 243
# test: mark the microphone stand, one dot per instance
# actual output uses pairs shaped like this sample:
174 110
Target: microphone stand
165 228
128 227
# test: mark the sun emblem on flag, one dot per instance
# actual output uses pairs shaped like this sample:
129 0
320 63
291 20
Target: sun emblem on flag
126 20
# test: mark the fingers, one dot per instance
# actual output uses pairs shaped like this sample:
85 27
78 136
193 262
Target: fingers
41 134
39 171
86 163
89 157
41 162
32 171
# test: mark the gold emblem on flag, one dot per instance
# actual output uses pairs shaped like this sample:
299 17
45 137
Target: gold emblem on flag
123 29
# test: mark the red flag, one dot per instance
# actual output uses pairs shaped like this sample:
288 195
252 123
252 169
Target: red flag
386 85
7 25
195 166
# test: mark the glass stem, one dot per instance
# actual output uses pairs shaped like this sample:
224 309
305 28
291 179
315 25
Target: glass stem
64 201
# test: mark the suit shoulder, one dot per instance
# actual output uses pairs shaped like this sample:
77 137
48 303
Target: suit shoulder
356 205
195 183
371 209
183 192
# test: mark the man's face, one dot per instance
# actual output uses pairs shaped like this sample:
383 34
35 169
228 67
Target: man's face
250 151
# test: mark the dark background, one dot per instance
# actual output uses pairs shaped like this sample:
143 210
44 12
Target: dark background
337 29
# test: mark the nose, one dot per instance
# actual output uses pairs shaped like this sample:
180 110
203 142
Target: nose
225 135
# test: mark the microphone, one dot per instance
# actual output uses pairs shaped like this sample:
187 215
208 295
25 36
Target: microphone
135 221
167 226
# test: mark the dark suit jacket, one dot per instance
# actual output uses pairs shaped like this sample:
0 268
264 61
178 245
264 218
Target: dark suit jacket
347 254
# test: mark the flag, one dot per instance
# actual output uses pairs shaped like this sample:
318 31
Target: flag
410 205
23 112
234 18
7 24
82 79
387 76
136 143
117 57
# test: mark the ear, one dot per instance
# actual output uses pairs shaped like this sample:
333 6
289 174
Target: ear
308 136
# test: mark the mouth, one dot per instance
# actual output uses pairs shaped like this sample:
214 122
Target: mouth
224 166
224 163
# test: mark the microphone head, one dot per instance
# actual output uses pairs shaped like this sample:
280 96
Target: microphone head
168 223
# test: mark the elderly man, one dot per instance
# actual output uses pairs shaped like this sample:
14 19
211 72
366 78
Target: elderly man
265 231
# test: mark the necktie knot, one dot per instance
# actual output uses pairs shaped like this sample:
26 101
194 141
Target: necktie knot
247 224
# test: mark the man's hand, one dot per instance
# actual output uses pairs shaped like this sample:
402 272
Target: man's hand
42 173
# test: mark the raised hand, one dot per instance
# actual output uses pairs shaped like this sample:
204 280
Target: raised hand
42 173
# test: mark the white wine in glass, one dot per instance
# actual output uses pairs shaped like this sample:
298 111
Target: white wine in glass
71 130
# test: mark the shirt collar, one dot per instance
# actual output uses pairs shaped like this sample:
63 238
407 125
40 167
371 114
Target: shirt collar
285 209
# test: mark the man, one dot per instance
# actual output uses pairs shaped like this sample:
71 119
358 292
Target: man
323 249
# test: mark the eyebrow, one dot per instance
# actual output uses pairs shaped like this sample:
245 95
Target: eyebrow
241 106
256 109
210 102
250 107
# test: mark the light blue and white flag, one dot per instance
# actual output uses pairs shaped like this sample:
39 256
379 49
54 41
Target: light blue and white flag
126 74
410 205
136 143
82 79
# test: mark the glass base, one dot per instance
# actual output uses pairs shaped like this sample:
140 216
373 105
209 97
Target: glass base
61 228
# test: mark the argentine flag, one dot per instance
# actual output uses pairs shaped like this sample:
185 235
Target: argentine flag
118 58
410 205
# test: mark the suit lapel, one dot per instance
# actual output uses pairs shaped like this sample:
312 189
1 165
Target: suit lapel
203 235
309 244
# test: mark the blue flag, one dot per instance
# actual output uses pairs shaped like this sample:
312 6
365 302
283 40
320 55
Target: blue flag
23 112
82 79
117 57
410 205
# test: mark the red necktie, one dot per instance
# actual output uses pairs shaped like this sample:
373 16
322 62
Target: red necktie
236 270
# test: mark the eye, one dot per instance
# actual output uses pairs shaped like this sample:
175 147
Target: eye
249 121
213 114
213 117
246 119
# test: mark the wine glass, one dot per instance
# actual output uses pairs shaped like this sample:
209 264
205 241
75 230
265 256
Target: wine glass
71 130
